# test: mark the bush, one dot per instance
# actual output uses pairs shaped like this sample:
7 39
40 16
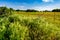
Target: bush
2 31
4 11
56 10
30 10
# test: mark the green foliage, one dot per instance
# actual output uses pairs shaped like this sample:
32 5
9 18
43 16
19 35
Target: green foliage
31 10
56 10
2 31
18 32
4 11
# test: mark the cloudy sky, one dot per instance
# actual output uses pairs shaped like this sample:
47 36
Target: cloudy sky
31 4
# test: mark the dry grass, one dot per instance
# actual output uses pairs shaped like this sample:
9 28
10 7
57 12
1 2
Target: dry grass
53 17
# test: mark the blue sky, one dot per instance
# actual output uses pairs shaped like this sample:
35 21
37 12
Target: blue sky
31 4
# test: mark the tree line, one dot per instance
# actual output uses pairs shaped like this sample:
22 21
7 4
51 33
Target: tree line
5 10
32 10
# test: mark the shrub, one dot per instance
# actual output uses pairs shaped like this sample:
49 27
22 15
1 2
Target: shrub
56 10
2 31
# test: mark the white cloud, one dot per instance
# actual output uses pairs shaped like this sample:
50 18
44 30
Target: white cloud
47 0
47 7
20 7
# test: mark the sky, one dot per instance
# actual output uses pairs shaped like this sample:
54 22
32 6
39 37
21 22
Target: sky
31 4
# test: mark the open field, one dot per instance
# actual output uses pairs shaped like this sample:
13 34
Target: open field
30 26
29 19
53 17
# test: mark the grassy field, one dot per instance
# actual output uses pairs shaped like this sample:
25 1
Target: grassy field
53 17
30 26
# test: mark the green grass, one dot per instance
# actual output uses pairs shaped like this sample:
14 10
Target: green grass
30 26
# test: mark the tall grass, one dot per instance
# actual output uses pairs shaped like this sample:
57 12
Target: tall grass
20 27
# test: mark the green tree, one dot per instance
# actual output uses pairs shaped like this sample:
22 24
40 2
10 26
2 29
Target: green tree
56 10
